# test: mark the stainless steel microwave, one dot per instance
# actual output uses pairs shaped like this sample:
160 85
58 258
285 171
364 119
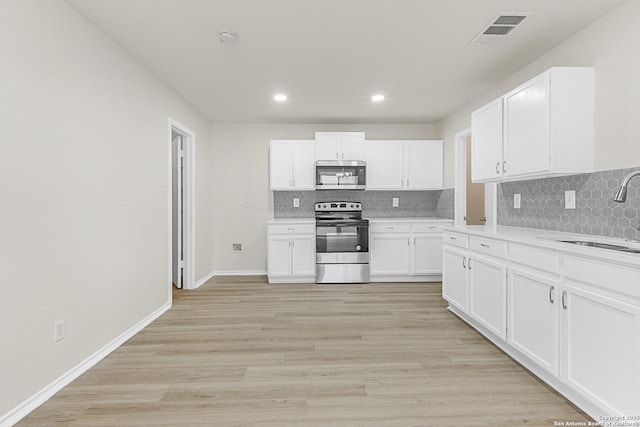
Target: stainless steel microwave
341 175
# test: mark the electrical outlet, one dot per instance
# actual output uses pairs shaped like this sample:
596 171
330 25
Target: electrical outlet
570 199
395 202
237 247
296 202
60 330
516 201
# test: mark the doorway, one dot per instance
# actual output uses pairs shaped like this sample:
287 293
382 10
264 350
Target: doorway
181 206
475 203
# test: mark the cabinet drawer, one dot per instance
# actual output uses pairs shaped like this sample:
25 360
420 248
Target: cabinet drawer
612 277
455 239
389 227
533 257
492 247
291 228
428 228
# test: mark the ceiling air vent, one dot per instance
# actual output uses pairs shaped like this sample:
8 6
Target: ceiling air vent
498 28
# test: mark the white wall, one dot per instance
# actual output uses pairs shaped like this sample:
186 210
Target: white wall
611 46
84 208
243 201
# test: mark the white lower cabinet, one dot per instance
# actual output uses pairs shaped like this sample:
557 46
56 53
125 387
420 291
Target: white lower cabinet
488 291
573 320
533 316
389 253
406 250
454 276
291 252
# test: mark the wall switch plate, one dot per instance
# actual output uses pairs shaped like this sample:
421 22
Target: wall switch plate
237 247
570 199
59 330
296 202
516 201
395 202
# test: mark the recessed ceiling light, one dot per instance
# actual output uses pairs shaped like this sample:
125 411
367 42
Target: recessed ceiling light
227 37
377 98
280 97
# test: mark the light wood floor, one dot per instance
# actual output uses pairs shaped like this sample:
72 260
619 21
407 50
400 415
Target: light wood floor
241 352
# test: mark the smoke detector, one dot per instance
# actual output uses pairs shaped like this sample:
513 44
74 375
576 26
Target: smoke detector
499 28
226 37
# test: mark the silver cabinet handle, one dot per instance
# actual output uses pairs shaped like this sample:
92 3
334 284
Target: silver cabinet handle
498 168
432 228
407 182
390 228
408 241
564 303
414 241
452 238
504 167
551 290
294 182
469 264
484 245
464 262
402 182
342 156
291 229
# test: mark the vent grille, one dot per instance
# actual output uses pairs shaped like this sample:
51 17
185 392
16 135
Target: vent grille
498 28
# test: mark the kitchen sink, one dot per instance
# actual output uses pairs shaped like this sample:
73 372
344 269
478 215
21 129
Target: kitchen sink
601 245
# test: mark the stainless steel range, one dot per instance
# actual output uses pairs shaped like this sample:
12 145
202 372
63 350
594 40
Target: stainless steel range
342 243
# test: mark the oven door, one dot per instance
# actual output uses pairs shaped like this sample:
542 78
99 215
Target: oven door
342 241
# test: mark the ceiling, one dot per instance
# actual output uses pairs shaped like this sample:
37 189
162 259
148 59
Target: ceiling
331 56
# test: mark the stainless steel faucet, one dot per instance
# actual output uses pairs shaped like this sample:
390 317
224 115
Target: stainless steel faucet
621 195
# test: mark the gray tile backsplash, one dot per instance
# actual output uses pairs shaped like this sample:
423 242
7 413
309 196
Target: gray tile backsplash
375 204
542 204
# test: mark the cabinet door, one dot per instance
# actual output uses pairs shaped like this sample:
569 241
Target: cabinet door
526 128
303 165
385 165
280 165
279 254
328 145
533 317
423 165
454 277
488 284
353 146
601 349
303 255
426 253
486 142
389 253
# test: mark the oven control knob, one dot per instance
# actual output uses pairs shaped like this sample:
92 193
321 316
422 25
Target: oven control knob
358 248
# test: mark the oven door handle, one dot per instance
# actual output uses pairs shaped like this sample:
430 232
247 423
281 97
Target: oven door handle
332 234
342 224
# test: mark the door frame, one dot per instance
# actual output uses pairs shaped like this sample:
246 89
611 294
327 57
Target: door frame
460 193
188 201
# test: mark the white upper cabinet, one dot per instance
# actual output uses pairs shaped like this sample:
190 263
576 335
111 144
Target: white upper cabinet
486 142
540 129
423 165
291 165
404 165
385 165
340 146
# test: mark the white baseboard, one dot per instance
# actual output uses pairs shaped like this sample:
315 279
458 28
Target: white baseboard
241 273
204 280
22 410
213 274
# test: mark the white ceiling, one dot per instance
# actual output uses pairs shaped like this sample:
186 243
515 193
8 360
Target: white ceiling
330 56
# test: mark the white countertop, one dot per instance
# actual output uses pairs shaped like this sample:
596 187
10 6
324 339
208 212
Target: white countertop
547 239
292 221
405 219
